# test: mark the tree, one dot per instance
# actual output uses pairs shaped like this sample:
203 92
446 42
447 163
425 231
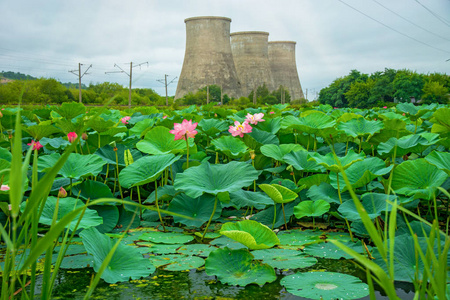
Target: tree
435 92
383 88
335 94
407 85
359 93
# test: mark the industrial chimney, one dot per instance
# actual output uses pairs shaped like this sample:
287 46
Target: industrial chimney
251 58
284 67
208 59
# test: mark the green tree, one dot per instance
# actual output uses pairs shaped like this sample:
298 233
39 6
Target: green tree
435 92
334 95
383 88
359 93
407 85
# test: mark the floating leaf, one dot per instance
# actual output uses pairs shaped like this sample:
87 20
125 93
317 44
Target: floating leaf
166 237
196 249
284 259
177 262
250 233
78 261
330 251
237 267
298 237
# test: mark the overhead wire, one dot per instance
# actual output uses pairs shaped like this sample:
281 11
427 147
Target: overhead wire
393 29
434 14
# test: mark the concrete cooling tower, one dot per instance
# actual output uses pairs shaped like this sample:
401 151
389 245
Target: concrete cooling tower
284 67
208 59
251 58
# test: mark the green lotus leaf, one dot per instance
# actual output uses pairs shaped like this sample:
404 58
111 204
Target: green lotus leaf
410 143
5 154
347 117
284 259
417 178
414 111
165 193
75 167
312 123
177 262
250 233
214 179
146 169
298 237
128 215
200 209
270 125
224 241
92 190
257 138
5 167
70 110
330 251
325 285
100 125
40 131
373 203
301 161
360 173
78 261
212 127
360 127
54 143
311 208
241 198
126 262
150 248
326 192
328 161
230 146
277 152
196 249
237 267
108 154
110 216
441 120
142 127
278 193
166 237
316 179
159 140
440 160
65 206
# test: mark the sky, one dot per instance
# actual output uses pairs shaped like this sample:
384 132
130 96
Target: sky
50 38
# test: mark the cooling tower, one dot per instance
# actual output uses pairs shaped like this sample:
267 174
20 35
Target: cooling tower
251 58
208 59
284 67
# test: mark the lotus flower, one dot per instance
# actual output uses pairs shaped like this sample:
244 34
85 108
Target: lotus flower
125 120
184 130
384 106
4 188
62 193
35 145
254 119
240 129
72 136
84 136
164 117
272 112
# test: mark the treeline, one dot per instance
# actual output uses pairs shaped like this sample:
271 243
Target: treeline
16 76
50 91
384 87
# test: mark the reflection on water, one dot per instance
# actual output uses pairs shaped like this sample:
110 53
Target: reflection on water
195 284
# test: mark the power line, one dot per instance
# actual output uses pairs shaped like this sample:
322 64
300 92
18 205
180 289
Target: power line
410 22
393 29
434 14
79 78
164 81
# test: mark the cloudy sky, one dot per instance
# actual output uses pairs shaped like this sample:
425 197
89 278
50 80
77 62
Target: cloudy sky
49 38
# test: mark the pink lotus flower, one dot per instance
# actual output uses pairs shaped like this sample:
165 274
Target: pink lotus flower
72 136
240 129
35 145
272 112
125 120
84 136
254 119
384 106
335 108
183 130
62 193
4 188
164 117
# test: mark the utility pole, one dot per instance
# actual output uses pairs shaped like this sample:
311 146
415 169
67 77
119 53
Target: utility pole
129 75
166 85
207 94
79 79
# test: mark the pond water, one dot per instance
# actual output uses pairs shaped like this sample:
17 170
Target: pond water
196 284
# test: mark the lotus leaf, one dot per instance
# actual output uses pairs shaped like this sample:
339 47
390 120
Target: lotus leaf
373 203
257 138
160 141
70 110
284 259
108 154
40 131
212 127
328 161
78 261
237 267
250 233
196 249
214 179
146 169
110 215
360 127
266 216
316 179
142 127
150 248
54 143
325 285
301 161
65 206
76 166
165 193
411 143
326 192
126 262
417 178
270 125
230 146
298 237
330 251
92 190
440 160
200 209
277 152
177 262
225 241
311 123
441 120
166 237
311 208
278 193
242 198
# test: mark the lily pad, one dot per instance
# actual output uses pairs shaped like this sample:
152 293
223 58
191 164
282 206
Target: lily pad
225 241
330 251
325 285
126 262
238 267
196 249
151 248
250 233
284 259
177 262
78 261
298 237
166 237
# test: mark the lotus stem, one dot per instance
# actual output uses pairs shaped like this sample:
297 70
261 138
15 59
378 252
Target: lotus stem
284 216
274 214
139 198
157 206
210 218
117 172
107 171
340 200
187 151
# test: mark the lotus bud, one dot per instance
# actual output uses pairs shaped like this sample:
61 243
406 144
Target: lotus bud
290 168
1 115
128 158
252 154
62 193
84 136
